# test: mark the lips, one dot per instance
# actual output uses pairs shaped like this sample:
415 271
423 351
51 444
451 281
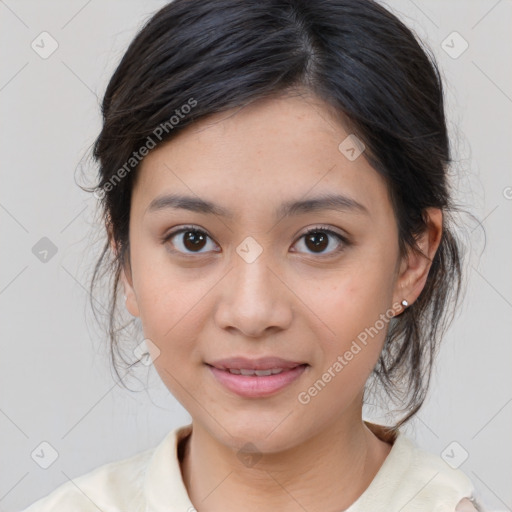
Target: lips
256 378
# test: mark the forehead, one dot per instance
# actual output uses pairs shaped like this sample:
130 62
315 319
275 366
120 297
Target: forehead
269 151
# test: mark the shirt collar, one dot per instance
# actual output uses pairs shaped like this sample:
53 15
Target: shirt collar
164 488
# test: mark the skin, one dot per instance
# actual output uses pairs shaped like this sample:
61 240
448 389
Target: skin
291 301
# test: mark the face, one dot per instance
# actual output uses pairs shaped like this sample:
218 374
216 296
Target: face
231 273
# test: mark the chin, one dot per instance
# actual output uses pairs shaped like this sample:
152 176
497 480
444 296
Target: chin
270 436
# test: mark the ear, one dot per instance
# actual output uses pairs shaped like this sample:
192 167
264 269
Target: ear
414 267
127 281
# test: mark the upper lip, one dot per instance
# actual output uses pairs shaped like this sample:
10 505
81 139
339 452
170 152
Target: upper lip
263 363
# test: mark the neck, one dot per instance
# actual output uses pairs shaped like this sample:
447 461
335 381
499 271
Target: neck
291 480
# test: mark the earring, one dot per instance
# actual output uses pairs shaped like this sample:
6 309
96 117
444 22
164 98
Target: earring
405 303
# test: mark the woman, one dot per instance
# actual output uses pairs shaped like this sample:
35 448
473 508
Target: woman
273 182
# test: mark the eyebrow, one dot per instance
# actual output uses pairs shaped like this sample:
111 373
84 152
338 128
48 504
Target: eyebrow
335 202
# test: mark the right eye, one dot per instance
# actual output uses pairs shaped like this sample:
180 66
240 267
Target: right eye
188 240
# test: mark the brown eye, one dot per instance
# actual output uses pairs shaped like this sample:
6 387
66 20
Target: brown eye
317 240
189 240
193 240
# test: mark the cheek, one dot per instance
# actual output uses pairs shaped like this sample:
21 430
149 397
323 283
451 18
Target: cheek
172 315
171 304
356 301
357 312
170 310
353 310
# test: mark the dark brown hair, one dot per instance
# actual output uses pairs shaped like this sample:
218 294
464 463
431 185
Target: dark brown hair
356 56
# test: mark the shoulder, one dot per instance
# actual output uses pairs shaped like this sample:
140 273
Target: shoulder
113 486
412 479
434 482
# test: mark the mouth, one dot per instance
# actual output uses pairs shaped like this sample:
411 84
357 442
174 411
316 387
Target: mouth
238 364
256 378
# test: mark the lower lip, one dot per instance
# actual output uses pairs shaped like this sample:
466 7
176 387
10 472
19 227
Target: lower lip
252 386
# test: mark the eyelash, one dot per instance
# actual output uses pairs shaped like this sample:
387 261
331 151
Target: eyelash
344 242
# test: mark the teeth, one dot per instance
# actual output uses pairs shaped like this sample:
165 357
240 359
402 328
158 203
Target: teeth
259 373
263 372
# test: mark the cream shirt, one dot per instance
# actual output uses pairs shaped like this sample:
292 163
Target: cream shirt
409 480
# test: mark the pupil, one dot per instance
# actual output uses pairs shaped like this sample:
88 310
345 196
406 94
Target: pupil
321 240
194 238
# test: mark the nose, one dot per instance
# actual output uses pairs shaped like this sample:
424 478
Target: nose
254 300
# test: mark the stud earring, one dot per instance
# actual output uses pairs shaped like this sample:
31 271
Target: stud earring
405 303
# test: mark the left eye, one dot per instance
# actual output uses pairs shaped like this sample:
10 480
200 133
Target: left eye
318 239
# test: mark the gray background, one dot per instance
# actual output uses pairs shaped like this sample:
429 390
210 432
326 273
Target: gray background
55 381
